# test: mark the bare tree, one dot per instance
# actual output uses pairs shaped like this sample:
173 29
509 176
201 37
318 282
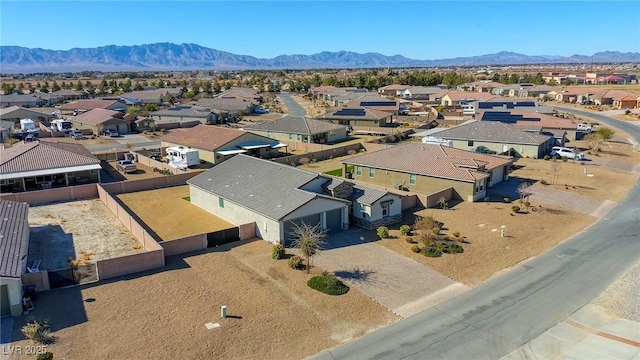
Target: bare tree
524 190
555 168
594 142
304 160
309 240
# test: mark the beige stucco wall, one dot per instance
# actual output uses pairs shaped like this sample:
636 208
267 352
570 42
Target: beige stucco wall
524 150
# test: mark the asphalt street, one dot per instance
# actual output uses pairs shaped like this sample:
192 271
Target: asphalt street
497 317
294 108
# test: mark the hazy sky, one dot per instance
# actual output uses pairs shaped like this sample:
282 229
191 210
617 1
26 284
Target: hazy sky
415 29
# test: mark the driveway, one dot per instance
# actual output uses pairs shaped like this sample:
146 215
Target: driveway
295 109
398 283
573 202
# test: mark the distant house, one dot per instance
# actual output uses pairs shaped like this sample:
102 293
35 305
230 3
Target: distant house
509 104
15 113
26 101
479 86
425 93
147 97
81 106
230 106
358 116
217 144
428 168
392 90
376 102
455 97
300 129
499 137
41 165
536 91
98 120
241 94
185 114
67 95
321 90
14 248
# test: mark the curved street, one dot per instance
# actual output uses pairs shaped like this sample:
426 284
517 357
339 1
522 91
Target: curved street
497 317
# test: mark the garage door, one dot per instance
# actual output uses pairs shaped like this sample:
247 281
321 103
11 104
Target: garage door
4 300
288 226
334 221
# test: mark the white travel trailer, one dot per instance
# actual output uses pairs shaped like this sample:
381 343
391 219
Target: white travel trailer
437 141
61 125
181 157
28 126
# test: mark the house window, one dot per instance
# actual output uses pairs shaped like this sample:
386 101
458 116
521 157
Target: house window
412 179
372 172
385 209
359 170
290 136
70 175
469 143
299 137
364 210
221 202
93 172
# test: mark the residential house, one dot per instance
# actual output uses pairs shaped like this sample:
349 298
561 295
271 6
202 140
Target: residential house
14 247
217 144
155 97
67 95
80 106
300 129
343 95
98 120
562 129
358 116
319 91
230 107
430 168
375 102
235 191
479 86
185 114
15 113
536 91
499 137
26 100
422 93
392 90
7 128
508 104
455 97
37 165
241 94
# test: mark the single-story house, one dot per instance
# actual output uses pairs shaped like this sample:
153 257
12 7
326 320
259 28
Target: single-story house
507 104
300 129
321 90
217 144
147 97
98 120
479 86
37 165
358 116
376 102
22 100
455 97
430 168
67 95
420 92
231 106
86 105
499 137
276 197
14 247
15 113
185 113
242 94
533 119
392 90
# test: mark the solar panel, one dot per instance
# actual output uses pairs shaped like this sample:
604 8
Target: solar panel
377 103
350 112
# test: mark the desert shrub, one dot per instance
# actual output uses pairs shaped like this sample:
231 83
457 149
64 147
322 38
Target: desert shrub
456 234
405 230
146 132
543 182
277 251
605 133
515 208
39 331
415 248
351 152
164 131
452 249
547 157
328 284
430 251
627 112
408 240
45 356
564 159
506 199
435 231
295 262
304 161
442 202
383 232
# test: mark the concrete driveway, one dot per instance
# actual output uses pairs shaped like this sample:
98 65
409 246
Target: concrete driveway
398 283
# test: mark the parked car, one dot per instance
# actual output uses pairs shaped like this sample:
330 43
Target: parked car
155 156
110 133
485 150
126 166
569 153
262 111
76 134
585 127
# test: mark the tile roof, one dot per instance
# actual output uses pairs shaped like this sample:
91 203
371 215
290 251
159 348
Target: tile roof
145 95
184 110
95 116
370 114
226 104
14 237
431 160
204 137
265 187
456 95
65 92
295 125
88 104
6 112
325 88
19 98
492 131
361 193
527 119
41 155
393 87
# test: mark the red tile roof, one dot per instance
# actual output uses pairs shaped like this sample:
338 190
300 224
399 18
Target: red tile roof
40 155
203 137
95 116
88 104
456 95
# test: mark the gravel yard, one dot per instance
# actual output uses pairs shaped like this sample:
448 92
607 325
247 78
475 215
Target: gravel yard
64 231
622 298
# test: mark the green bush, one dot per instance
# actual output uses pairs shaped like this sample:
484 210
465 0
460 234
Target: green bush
39 331
430 251
456 234
295 262
405 230
547 157
435 231
277 251
46 356
453 249
383 232
328 284
564 159
408 240
415 248
515 208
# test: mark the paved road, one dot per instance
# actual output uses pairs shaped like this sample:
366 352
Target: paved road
497 317
294 108
136 144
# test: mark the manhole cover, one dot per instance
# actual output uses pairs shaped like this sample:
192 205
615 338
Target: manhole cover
569 252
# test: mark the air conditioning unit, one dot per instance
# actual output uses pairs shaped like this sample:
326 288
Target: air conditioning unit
398 186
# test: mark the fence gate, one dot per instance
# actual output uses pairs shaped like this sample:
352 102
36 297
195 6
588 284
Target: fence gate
81 274
223 237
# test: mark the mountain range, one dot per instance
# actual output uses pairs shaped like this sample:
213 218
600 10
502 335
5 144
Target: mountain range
168 56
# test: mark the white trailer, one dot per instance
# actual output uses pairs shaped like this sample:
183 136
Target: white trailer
437 141
61 125
181 157
28 126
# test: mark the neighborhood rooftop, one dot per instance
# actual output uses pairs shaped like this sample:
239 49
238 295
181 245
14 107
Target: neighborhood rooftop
295 125
14 234
37 155
492 131
203 137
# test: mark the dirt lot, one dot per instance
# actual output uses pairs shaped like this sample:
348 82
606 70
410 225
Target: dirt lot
143 172
170 215
312 109
64 231
161 315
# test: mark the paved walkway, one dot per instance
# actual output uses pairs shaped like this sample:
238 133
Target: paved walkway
590 333
6 333
398 283
573 202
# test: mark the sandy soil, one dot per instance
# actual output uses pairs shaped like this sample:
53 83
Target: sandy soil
486 252
170 215
312 109
161 315
66 230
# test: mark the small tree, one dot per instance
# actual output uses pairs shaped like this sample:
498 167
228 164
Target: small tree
309 240
555 168
383 232
594 142
605 133
524 190
405 230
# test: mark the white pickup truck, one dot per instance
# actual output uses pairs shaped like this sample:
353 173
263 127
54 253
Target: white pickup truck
585 127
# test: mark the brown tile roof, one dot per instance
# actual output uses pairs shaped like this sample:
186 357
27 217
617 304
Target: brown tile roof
546 121
204 137
393 87
431 160
14 236
95 116
370 114
41 155
456 95
88 104
325 88
145 95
